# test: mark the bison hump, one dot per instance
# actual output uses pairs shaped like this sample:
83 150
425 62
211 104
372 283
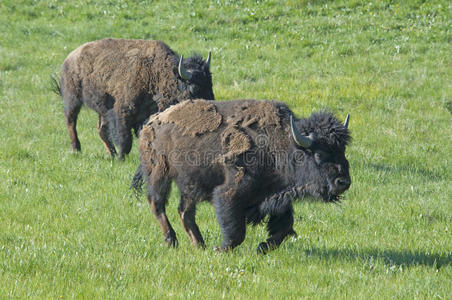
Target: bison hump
194 117
260 113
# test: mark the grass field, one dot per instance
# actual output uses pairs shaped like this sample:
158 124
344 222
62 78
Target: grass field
70 228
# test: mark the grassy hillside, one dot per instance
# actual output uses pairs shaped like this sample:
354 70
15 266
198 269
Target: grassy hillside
69 227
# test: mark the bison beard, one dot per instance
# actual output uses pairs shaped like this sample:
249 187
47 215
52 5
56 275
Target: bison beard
250 165
126 81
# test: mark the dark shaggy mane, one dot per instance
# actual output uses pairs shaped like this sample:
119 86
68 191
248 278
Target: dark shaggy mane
326 128
194 62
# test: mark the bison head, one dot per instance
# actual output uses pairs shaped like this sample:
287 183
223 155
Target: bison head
195 72
322 168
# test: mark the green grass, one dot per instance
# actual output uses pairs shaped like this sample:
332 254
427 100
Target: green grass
69 227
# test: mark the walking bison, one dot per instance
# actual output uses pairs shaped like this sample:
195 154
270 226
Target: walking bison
126 81
249 158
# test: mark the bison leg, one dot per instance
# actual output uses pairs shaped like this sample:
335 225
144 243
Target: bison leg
102 128
187 212
125 139
279 227
232 224
229 200
71 109
157 199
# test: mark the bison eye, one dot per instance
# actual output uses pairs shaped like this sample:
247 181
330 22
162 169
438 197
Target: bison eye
320 156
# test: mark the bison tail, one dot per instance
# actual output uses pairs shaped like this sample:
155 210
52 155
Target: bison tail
137 181
55 85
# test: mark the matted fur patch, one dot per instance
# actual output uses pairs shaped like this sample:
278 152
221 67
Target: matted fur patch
263 113
193 117
234 142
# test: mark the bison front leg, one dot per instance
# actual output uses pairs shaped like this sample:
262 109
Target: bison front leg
187 212
102 128
232 224
229 200
279 227
125 139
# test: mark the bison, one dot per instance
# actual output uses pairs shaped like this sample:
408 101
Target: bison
126 81
249 158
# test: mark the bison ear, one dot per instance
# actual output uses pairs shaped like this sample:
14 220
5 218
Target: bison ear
346 121
301 140
184 74
208 59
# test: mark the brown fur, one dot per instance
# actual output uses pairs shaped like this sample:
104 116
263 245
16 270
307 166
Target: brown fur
193 117
263 114
108 63
145 145
126 81
234 142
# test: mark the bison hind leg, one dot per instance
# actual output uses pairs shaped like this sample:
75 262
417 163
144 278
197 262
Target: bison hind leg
187 213
72 107
157 198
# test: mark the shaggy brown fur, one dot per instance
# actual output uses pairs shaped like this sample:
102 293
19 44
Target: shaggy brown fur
244 161
235 142
193 117
248 113
125 81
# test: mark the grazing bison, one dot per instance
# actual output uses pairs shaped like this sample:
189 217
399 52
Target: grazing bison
248 158
126 81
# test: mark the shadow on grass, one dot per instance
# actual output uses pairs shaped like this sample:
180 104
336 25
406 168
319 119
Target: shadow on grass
414 170
405 258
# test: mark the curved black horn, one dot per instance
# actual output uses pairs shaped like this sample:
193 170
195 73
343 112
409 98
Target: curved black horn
208 59
184 74
300 139
346 121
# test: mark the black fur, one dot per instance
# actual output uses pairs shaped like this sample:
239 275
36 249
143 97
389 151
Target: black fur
260 181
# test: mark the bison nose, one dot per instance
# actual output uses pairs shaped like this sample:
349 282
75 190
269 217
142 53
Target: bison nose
342 183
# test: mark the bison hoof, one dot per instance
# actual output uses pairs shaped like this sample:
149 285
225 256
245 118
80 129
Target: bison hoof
171 241
262 248
292 233
112 153
221 249
76 147
200 246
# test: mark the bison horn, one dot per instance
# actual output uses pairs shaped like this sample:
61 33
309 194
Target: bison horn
346 121
184 74
300 139
208 60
